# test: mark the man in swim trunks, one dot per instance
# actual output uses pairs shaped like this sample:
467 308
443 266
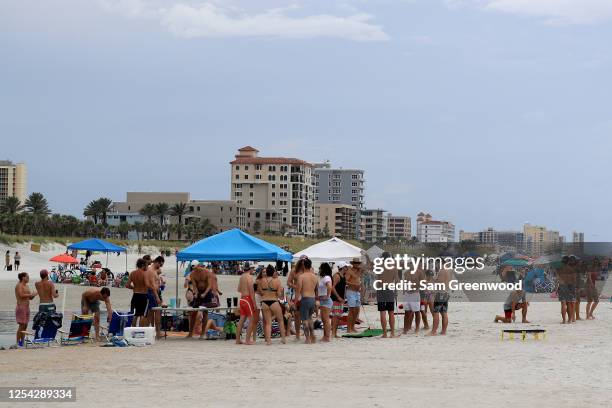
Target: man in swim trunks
337 296
516 300
412 301
46 292
138 283
353 293
154 294
306 294
22 310
441 298
385 298
566 291
202 295
294 304
90 303
247 305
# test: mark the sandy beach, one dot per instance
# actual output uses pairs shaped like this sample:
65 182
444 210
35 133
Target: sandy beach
471 365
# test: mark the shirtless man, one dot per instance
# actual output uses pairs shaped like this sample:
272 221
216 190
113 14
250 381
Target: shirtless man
200 281
353 293
441 302
306 294
247 305
385 298
566 291
90 303
412 301
22 311
138 283
154 294
46 292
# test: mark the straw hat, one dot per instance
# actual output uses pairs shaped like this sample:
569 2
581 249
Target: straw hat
356 261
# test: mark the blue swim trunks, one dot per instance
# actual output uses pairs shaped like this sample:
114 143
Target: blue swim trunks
353 298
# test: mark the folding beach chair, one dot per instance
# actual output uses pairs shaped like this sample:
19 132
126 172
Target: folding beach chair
119 321
44 330
80 326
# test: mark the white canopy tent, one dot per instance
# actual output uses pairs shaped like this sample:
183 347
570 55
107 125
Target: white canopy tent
332 250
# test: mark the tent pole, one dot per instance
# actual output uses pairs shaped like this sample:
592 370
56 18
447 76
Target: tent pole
107 259
176 297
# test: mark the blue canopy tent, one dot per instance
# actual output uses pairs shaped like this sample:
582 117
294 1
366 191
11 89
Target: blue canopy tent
231 245
98 245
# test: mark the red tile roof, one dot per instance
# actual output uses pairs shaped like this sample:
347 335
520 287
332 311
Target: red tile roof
248 149
269 160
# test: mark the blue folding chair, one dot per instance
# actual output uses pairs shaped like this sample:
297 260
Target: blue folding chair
119 321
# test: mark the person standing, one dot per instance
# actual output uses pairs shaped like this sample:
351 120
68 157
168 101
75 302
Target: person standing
7 260
154 294
325 300
353 293
440 307
592 293
46 293
385 298
247 306
294 304
22 310
271 289
337 296
137 282
306 293
17 260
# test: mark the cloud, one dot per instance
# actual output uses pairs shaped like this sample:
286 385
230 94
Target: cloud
210 20
558 12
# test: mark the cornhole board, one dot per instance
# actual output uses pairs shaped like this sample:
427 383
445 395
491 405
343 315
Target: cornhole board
523 333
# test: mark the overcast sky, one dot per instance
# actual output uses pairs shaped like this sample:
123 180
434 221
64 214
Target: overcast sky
482 112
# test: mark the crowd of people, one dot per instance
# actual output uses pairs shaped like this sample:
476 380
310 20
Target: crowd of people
333 297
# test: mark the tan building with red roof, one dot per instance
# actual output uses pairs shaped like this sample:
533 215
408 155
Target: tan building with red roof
278 192
430 230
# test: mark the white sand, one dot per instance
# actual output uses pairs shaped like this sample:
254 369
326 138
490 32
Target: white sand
468 367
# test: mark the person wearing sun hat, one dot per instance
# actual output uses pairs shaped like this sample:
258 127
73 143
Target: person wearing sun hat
338 295
353 293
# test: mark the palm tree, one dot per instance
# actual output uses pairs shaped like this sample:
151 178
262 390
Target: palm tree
92 210
148 210
11 205
179 210
37 204
161 210
104 206
138 229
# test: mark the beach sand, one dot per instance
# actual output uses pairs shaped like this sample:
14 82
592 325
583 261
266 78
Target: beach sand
470 366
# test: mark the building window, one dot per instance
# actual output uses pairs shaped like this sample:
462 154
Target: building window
246 176
250 202
246 167
237 176
237 167
258 167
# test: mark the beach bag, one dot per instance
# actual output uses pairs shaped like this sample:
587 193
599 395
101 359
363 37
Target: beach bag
229 328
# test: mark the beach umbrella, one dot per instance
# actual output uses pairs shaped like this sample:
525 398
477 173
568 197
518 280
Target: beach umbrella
515 262
64 258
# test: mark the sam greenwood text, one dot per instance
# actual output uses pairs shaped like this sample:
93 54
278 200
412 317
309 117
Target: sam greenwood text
405 285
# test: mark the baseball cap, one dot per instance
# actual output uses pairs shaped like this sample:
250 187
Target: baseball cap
342 264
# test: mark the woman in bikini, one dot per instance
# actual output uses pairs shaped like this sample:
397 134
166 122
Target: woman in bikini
270 290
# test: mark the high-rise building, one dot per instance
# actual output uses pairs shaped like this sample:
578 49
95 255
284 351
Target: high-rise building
282 186
430 230
491 236
336 220
13 181
577 237
538 240
373 225
338 185
399 226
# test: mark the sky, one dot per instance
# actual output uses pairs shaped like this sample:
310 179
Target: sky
481 112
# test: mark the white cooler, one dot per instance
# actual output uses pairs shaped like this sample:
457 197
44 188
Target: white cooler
139 336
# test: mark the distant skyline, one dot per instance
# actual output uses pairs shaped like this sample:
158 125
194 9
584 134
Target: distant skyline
486 113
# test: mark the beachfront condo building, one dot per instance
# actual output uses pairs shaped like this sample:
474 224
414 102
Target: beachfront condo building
539 240
336 220
222 214
490 236
279 187
430 230
399 227
338 185
13 181
372 225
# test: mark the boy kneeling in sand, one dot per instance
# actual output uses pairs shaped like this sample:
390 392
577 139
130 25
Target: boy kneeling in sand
516 300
